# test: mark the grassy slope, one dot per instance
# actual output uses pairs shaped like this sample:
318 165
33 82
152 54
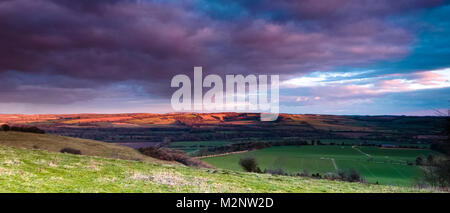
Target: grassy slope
54 143
387 166
23 170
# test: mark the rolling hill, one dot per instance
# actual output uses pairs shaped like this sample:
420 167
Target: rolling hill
302 121
55 143
24 170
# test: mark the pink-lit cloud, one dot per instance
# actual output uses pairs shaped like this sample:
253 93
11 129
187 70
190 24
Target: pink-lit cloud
329 89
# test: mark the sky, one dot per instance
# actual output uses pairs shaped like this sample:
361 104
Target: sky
346 57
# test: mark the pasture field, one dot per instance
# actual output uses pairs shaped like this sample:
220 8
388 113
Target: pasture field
387 166
191 147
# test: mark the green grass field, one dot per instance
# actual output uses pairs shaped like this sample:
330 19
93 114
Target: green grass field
387 166
24 170
192 147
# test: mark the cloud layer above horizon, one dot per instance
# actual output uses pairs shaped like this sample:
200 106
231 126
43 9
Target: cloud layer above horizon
333 56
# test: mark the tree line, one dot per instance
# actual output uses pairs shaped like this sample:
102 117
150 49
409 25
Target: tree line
31 129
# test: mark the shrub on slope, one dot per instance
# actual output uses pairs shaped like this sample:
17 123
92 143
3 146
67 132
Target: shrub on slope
173 155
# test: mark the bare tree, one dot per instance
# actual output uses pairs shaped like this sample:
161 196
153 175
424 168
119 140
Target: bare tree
437 171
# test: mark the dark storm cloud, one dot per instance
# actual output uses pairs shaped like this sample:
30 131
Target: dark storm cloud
86 45
338 10
327 12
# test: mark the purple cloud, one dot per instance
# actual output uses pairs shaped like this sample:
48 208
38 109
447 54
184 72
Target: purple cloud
91 45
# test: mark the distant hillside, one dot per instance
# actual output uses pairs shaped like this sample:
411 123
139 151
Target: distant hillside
145 127
54 143
23 170
318 122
